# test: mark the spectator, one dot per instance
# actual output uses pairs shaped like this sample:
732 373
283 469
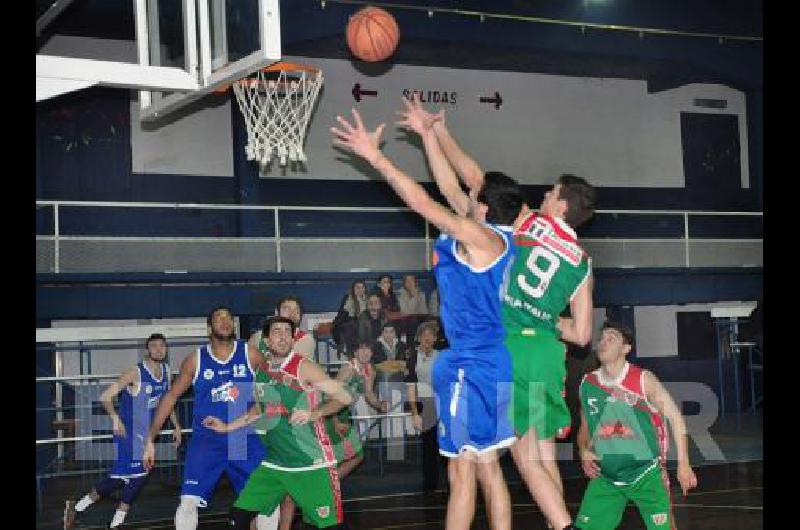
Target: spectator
388 347
388 298
411 298
420 398
345 325
371 321
291 308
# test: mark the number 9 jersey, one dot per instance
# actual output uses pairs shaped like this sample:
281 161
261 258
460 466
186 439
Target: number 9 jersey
548 269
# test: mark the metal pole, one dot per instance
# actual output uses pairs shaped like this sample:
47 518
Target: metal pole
427 247
719 369
56 245
278 264
686 238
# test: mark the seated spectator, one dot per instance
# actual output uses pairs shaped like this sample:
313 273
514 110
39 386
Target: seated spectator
388 347
385 291
371 321
345 325
412 305
411 298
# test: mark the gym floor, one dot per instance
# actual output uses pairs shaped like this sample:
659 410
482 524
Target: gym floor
729 495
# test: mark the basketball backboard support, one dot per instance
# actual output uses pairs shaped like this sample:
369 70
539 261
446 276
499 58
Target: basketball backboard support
185 50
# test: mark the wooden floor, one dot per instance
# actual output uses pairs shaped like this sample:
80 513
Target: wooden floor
729 496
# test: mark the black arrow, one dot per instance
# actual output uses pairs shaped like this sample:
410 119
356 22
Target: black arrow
497 100
358 92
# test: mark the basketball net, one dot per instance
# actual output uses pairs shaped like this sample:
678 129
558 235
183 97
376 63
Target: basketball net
277 102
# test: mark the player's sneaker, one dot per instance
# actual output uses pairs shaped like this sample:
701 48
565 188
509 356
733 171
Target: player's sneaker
69 515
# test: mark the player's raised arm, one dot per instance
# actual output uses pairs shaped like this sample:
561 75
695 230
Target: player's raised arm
481 242
467 168
663 402
418 120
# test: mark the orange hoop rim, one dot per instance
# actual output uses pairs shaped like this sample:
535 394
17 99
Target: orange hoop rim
280 66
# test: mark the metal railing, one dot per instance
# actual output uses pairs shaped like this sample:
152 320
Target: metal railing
271 252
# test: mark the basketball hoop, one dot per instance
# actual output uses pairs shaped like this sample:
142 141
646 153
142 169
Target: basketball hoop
277 102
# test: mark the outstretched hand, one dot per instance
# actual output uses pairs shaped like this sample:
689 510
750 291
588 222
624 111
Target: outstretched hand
416 118
357 139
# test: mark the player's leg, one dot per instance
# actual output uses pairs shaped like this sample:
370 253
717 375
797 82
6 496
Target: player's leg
204 464
602 506
532 414
461 503
451 436
244 459
651 495
547 452
487 387
495 491
538 481
72 509
318 494
261 494
552 419
286 515
129 493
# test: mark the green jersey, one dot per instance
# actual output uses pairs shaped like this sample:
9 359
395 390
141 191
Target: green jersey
628 434
547 271
290 447
356 386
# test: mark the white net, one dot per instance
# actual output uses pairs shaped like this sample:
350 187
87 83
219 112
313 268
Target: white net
277 106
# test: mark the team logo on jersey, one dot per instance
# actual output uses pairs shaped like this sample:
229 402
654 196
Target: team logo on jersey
226 392
584 518
324 511
152 402
616 430
659 518
208 373
148 389
630 398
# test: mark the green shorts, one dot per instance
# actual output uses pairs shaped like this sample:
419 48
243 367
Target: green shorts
315 491
540 373
604 503
344 447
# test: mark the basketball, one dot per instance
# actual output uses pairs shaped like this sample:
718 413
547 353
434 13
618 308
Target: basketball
372 34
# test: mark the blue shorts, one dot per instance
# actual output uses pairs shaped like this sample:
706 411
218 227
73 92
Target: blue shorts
237 454
473 393
129 457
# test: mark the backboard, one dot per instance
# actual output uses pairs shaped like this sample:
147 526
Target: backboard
184 49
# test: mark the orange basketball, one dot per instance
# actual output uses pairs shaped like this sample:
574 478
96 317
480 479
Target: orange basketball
372 34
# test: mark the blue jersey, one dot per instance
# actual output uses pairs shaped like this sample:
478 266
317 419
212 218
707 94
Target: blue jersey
471 299
221 389
137 410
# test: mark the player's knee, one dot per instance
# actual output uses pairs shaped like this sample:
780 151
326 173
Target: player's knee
131 490
186 514
105 487
240 519
461 473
